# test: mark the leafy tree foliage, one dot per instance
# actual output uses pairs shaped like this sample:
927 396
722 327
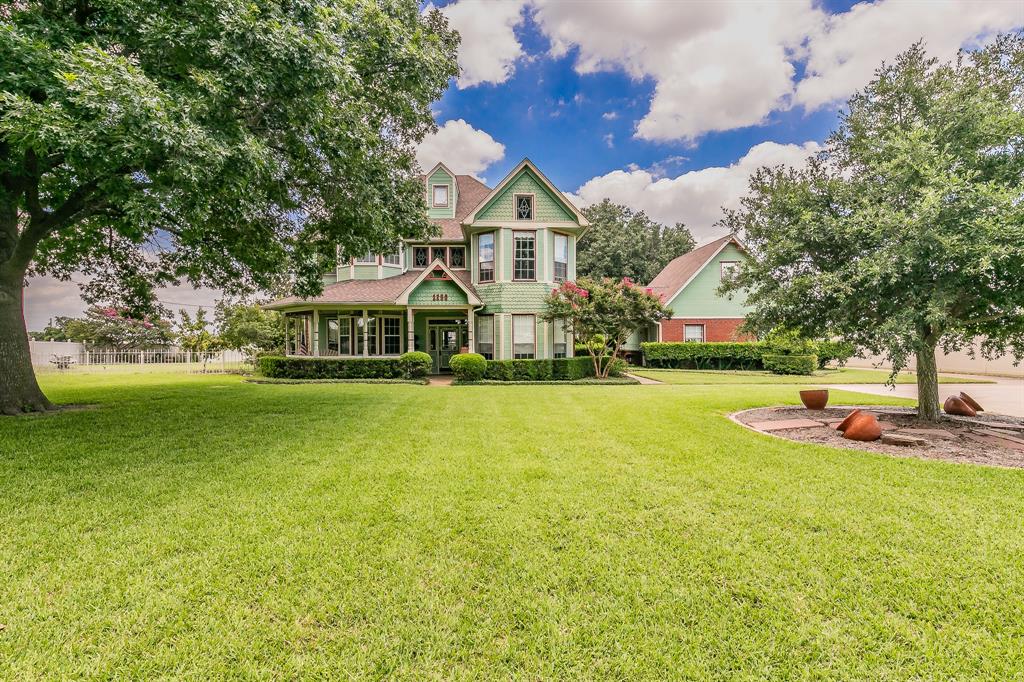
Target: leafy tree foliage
107 327
605 308
907 233
218 141
193 333
249 328
623 243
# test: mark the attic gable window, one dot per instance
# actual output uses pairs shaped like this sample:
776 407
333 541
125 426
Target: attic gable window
441 196
524 206
728 269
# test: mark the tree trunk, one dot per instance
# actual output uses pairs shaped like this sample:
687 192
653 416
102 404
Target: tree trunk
19 391
927 382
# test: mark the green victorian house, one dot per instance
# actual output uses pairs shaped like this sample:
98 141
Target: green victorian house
478 287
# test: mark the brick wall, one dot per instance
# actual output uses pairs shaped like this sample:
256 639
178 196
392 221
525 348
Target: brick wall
714 330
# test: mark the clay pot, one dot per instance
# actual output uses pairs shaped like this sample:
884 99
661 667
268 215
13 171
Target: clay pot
815 399
863 427
846 422
971 401
955 405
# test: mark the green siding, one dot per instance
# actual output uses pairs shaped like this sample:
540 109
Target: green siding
513 297
440 177
424 294
546 206
700 297
366 272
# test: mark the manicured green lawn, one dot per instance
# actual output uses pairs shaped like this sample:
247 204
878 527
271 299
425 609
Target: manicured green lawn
846 375
201 527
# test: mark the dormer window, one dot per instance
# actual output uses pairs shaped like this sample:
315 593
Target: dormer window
524 206
440 196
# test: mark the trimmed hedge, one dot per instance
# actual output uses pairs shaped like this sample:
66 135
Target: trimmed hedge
710 355
468 366
281 367
790 364
834 351
557 369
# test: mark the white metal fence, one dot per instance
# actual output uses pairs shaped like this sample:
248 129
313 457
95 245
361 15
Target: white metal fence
66 356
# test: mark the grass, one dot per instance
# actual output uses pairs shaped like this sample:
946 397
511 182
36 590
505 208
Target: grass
202 527
847 375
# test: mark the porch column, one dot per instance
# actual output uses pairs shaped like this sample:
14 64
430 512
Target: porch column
410 331
366 334
287 325
470 340
316 333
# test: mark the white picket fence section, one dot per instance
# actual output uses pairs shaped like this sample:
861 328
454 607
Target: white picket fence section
67 356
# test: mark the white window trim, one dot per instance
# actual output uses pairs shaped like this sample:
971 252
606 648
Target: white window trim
533 206
447 195
703 332
722 267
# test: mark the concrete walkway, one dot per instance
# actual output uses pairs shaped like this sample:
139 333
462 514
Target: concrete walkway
643 380
1006 396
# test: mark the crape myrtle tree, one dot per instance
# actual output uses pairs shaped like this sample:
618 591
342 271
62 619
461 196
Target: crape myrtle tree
606 308
220 142
249 328
624 243
905 235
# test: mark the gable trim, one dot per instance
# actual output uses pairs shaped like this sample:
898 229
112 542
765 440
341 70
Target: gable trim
710 258
526 163
471 298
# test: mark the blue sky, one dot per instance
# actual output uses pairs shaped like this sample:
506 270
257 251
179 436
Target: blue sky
666 106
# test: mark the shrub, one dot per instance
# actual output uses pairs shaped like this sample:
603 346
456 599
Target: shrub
416 364
834 351
782 342
711 355
280 367
468 366
790 364
559 369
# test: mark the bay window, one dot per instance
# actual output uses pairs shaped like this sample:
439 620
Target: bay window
524 337
485 251
561 257
560 343
524 260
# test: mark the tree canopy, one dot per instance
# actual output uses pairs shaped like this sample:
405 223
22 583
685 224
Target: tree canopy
907 233
624 243
218 141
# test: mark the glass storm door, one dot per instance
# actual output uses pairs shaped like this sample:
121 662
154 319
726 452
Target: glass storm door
447 346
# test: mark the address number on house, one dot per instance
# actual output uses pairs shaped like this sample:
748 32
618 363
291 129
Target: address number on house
440 297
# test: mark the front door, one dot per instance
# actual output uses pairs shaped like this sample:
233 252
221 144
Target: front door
444 343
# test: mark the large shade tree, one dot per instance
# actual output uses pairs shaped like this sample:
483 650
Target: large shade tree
625 243
218 141
906 235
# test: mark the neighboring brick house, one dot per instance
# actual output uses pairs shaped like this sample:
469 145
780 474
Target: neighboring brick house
689 285
480 285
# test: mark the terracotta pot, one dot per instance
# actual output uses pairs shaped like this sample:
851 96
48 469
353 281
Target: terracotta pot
864 427
815 399
955 405
846 422
971 401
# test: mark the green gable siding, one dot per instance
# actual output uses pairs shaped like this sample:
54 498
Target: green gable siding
546 206
424 294
441 177
513 297
700 297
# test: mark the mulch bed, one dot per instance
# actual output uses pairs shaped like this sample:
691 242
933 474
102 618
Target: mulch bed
990 439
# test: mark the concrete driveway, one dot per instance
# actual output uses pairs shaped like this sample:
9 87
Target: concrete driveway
1006 396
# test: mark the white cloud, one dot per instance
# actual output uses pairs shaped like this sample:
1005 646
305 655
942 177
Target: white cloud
715 65
695 198
847 48
461 147
609 140
610 115
489 47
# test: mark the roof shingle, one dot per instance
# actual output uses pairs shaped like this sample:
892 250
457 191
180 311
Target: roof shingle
679 270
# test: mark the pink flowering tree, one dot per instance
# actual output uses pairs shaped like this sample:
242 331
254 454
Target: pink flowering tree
609 308
110 327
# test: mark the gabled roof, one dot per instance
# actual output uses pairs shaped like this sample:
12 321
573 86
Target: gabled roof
403 298
469 193
526 163
680 271
385 291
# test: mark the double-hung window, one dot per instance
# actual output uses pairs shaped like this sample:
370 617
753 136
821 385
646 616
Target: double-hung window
367 257
392 336
524 337
560 345
524 262
693 332
485 251
485 336
561 257
441 195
